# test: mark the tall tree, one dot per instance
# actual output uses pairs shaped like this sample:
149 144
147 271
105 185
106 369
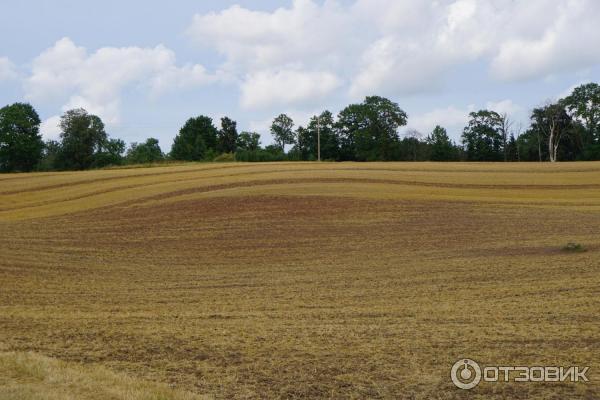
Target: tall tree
227 136
249 141
322 126
442 148
482 137
196 140
110 153
553 127
304 149
21 144
369 131
412 140
82 138
282 131
505 131
584 104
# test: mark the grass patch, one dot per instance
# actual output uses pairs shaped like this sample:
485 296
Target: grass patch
29 376
574 248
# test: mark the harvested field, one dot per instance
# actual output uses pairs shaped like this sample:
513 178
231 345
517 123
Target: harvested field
304 280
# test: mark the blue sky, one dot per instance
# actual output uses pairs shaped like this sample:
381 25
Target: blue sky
147 66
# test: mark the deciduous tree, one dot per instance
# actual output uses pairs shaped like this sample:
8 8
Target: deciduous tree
21 144
282 131
196 140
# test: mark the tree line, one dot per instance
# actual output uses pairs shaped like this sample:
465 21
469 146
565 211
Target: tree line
565 130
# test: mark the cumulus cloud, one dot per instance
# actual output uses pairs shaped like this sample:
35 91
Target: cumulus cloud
401 47
267 88
567 40
7 70
69 74
50 129
451 118
504 107
257 39
294 48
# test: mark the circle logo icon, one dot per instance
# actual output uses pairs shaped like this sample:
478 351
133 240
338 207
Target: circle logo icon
465 374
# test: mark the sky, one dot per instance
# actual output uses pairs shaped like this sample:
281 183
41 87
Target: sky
146 66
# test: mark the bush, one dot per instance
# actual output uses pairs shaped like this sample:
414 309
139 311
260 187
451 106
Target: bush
574 248
225 157
260 155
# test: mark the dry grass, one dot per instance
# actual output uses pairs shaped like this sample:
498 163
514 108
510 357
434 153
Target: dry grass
306 280
28 376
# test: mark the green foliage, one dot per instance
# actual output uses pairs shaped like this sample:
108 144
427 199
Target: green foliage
307 139
574 248
83 139
369 131
584 104
482 137
248 141
196 140
21 144
225 157
441 147
145 153
110 154
554 117
227 136
49 155
282 131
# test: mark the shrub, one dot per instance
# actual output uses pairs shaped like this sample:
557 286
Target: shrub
225 157
574 248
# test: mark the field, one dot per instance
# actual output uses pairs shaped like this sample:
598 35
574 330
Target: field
298 280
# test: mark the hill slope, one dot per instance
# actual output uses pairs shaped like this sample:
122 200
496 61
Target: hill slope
306 280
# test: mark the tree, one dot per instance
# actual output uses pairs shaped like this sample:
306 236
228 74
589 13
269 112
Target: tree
21 144
227 136
196 140
482 137
50 154
369 131
505 127
584 104
282 131
304 149
511 150
323 125
144 153
110 153
248 141
553 126
442 148
307 138
412 139
82 138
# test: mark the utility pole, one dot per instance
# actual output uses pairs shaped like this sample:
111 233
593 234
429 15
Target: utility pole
319 138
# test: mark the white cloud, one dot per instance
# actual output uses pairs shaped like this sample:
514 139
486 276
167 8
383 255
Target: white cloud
504 107
7 70
67 73
566 41
451 118
255 39
50 129
402 47
267 88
